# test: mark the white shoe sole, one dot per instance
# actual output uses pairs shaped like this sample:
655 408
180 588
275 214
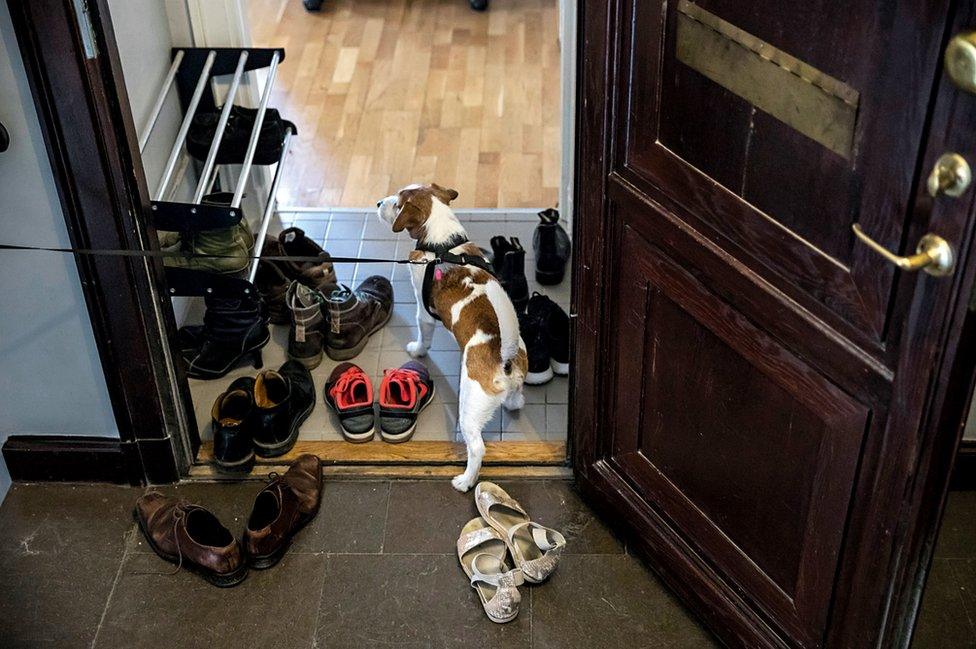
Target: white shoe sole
538 378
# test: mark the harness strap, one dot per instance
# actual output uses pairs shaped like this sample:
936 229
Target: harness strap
448 258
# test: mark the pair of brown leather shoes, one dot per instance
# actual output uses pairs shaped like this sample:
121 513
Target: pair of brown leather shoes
190 535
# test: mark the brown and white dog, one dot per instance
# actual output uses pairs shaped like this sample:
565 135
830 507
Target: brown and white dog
472 305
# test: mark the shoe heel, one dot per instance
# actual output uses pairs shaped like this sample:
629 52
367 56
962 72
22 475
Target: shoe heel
258 359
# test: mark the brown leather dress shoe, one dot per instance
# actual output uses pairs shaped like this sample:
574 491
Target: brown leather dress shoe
189 535
282 508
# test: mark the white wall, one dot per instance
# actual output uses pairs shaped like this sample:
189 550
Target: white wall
142 32
51 381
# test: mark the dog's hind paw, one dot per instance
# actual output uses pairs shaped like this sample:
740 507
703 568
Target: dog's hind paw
461 483
416 349
514 401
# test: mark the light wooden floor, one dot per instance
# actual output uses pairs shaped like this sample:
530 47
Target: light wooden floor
388 92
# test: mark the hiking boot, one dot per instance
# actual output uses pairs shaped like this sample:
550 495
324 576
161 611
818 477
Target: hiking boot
509 263
281 509
283 400
233 244
318 275
404 392
552 247
555 323
356 315
232 430
234 328
533 330
189 535
306 336
272 284
349 394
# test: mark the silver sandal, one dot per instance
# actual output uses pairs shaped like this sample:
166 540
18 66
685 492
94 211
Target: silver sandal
535 548
481 551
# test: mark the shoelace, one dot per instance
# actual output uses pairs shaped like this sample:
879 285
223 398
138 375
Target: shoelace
406 380
346 381
179 514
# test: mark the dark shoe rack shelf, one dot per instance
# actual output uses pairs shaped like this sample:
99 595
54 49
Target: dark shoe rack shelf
192 72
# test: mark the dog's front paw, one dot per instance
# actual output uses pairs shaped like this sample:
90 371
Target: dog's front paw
416 349
461 483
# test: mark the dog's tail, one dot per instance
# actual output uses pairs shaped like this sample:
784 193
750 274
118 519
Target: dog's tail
511 374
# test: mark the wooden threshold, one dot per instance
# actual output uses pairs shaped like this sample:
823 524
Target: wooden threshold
378 453
206 472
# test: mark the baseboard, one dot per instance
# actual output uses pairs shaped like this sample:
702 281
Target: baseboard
62 458
964 470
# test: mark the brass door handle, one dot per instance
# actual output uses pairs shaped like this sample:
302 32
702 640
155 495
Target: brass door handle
933 254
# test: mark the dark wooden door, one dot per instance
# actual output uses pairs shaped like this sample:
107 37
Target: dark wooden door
753 381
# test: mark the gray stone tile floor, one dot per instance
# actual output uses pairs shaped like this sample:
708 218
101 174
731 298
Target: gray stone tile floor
947 617
360 233
376 568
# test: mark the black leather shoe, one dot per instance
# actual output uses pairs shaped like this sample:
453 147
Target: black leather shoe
555 323
552 247
234 328
232 427
509 263
283 399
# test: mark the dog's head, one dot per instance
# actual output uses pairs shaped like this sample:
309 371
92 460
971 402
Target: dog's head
410 207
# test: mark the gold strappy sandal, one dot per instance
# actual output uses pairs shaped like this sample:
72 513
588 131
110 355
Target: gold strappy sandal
535 548
481 551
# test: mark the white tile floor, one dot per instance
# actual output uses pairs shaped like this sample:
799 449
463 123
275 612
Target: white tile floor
350 233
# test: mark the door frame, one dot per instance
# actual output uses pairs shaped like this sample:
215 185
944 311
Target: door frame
72 65
92 142
892 581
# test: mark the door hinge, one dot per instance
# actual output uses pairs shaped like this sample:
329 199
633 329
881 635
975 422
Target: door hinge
83 16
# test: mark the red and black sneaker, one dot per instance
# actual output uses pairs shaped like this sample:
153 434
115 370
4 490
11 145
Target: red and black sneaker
349 394
404 392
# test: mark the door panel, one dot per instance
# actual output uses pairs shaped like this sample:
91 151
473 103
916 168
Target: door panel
754 387
763 188
721 405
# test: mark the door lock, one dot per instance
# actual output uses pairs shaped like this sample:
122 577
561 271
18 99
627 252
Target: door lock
950 176
933 255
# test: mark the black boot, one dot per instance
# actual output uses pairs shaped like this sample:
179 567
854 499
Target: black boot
532 327
233 328
283 399
555 325
509 264
552 248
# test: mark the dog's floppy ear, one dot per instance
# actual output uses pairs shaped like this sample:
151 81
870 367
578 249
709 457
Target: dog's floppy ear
408 217
446 195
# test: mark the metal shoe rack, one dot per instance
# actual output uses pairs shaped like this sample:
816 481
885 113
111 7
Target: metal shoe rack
193 71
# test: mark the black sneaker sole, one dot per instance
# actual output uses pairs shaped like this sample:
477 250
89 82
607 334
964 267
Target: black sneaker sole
400 438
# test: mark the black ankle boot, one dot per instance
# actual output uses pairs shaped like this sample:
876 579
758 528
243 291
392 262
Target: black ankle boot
233 328
509 264
552 247
555 325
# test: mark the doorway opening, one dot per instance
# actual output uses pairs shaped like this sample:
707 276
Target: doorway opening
381 95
